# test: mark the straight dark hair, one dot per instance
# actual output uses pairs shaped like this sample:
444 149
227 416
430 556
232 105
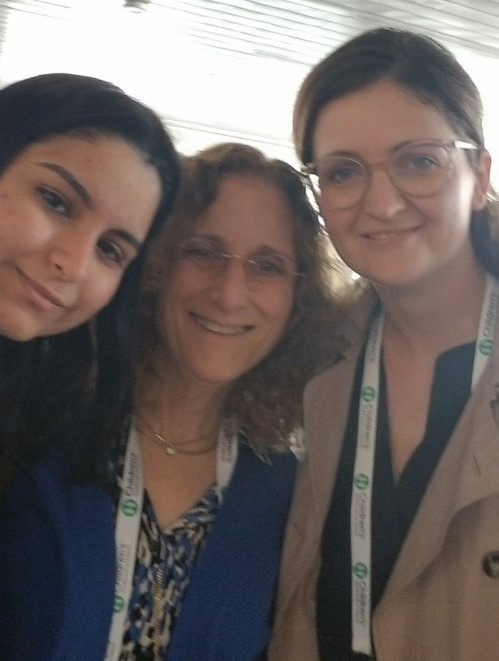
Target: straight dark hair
79 380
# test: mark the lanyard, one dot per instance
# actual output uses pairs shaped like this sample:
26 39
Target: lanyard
128 524
360 511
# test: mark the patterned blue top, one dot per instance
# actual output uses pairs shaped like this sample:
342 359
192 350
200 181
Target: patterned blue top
164 564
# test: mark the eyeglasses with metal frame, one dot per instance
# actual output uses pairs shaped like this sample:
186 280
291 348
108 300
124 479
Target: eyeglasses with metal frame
418 169
266 267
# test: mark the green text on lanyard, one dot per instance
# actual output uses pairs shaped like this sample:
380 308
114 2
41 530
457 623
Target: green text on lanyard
360 512
128 525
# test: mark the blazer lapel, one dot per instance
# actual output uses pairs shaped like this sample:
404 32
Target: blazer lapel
466 473
327 404
236 574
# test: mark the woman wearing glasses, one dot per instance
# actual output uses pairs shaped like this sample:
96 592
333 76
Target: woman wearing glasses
392 550
171 548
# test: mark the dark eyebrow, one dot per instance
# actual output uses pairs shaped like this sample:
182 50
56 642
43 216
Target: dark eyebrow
68 177
80 189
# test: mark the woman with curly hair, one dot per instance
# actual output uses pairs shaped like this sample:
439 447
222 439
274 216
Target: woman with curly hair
177 556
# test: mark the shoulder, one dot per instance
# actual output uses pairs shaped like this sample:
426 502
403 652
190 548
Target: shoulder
353 330
46 478
267 462
265 477
46 492
52 565
44 508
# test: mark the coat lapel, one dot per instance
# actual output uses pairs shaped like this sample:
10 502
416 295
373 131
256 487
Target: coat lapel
467 472
327 404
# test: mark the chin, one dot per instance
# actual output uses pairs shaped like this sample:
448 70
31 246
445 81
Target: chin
215 378
20 330
17 335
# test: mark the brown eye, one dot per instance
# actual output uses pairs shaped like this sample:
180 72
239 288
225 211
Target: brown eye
268 266
202 253
112 252
342 171
55 201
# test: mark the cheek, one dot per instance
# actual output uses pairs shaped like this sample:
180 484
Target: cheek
22 227
280 311
98 294
337 223
185 282
450 212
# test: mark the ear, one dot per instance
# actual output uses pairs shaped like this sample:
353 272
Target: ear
482 182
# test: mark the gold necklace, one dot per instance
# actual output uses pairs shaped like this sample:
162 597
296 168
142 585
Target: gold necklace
171 448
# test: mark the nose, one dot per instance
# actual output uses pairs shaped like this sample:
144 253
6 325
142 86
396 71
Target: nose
230 288
72 255
382 199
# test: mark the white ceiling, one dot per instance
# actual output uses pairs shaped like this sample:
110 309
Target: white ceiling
219 69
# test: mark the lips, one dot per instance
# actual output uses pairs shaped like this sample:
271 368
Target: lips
40 295
221 329
391 235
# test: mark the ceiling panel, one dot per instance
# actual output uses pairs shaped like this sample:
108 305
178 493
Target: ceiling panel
290 29
303 31
182 56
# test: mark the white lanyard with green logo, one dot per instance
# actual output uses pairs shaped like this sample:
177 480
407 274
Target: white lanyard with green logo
128 524
360 511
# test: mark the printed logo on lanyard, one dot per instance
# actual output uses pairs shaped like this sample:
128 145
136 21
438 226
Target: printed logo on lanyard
128 525
360 510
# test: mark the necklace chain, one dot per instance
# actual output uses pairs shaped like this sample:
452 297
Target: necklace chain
171 448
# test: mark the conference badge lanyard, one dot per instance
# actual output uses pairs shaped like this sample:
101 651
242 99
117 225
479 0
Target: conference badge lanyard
128 524
360 511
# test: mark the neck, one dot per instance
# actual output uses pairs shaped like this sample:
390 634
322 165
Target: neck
179 411
437 317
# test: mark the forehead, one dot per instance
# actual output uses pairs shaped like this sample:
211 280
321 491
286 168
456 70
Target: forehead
113 170
249 210
373 120
79 147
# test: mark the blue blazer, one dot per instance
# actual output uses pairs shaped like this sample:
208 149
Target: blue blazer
57 559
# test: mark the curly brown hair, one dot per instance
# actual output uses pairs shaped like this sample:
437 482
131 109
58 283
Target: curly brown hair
266 401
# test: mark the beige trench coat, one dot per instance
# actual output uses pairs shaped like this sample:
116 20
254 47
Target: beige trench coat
440 604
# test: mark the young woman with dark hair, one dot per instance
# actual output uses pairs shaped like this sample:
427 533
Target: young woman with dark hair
174 552
87 176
